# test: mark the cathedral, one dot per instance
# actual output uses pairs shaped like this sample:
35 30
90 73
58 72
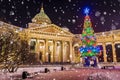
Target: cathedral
52 43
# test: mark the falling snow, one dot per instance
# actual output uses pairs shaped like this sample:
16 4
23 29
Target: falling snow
76 28
12 13
118 46
105 13
1 0
13 7
105 3
69 0
15 19
66 6
49 0
60 24
60 7
116 23
112 20
70 11
73 20
77 17
54 7
77 10
118 0
59 18
97 13
28 13
55 10
102 22
109 14
114 11
3 10
74 5
102 18
62 11
26 7
69 20
22 2
113 27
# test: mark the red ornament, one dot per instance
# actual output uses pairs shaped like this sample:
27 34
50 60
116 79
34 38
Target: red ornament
88 41
94 45
89 51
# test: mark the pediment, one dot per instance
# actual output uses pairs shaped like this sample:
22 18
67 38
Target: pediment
53 29
50 30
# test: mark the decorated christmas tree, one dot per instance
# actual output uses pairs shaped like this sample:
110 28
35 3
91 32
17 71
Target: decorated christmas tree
89 47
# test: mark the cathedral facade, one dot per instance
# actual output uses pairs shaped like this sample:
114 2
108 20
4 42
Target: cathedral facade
52 43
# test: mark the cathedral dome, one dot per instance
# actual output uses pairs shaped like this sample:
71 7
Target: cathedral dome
41 17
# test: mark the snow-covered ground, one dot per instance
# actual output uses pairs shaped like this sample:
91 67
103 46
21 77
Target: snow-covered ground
9 76
36 73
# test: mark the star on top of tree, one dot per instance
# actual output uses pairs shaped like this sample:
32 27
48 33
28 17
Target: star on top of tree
86 11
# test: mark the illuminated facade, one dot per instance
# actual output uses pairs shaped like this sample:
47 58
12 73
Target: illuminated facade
52 44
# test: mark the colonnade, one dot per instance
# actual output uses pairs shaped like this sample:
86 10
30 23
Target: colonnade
53 50
113 52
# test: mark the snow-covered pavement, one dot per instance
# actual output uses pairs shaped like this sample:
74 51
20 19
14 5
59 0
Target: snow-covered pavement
11 76
37 73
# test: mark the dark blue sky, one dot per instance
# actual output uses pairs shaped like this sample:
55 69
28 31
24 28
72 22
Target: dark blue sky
105 14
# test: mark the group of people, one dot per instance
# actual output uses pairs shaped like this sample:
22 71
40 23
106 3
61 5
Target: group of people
90 62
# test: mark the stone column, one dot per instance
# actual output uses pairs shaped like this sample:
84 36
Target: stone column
37 49
46 50
60 53
54 53
114 53
71 53
43 55
104 52
63 47
68 51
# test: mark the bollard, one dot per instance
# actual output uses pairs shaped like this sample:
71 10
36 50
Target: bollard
46 70
62 68
24 74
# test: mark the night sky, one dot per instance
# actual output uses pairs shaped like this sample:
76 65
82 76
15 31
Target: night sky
104 14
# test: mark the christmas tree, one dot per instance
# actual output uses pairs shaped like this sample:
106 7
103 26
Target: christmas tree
89 47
